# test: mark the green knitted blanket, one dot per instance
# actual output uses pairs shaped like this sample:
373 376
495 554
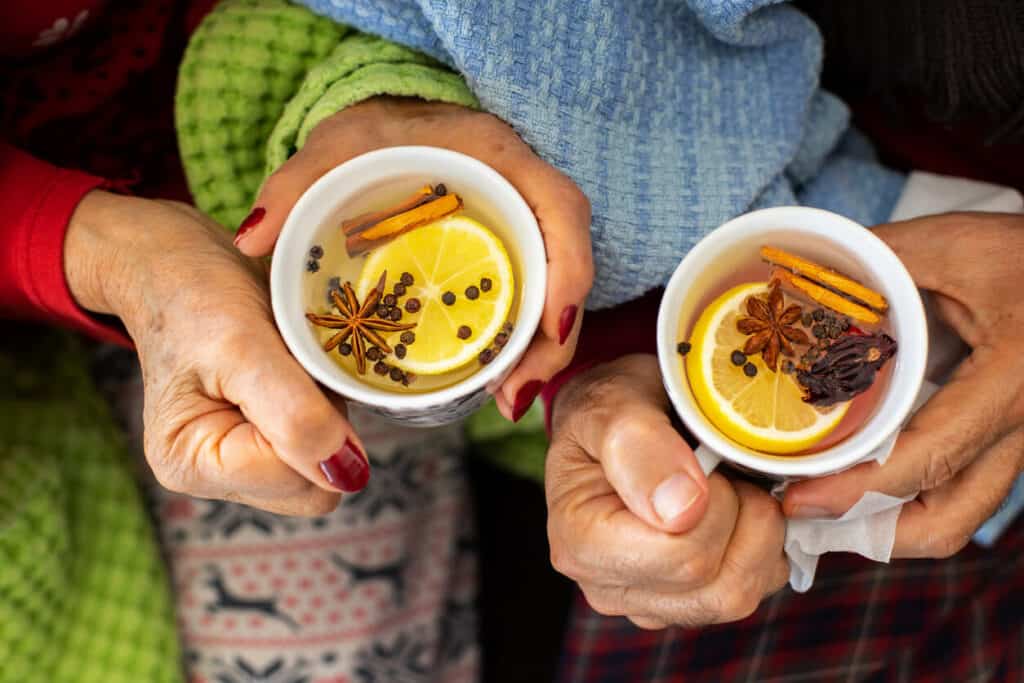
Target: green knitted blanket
83 593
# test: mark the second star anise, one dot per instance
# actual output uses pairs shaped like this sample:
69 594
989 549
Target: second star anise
771 327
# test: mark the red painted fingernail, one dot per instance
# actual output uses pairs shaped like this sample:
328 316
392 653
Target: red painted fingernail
250 222
347 469
524 398
565 322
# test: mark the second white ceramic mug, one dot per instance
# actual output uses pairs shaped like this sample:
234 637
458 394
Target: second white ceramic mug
823 237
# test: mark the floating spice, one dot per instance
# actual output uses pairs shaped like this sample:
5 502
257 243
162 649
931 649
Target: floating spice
485 284
738 358
389 300
373 353
501 339
486 356
448 298
412 305
408 338
375 229
381 368
846 368
398 289
316 252
400 351
472 293
770 326
683 348
750 370
396 375
345 349
406 279
826 277
464 332
312 265
356 324
826 297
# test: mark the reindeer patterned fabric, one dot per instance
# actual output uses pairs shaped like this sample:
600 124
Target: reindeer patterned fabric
380 591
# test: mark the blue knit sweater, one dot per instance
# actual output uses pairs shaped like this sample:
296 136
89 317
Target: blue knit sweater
672 115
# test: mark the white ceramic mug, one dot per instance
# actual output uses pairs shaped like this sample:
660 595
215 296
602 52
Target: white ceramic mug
826 238
336 196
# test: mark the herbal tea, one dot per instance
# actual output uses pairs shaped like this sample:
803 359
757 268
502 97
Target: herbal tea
415 297
789 357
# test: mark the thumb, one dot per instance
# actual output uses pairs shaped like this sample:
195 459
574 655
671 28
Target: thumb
653 470
293 415
258 233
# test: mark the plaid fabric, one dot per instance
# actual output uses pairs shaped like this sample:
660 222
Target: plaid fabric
960 619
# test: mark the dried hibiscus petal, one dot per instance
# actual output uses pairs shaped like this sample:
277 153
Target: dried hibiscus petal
847 368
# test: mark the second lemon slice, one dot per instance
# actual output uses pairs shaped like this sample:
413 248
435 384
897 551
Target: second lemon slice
448 256
765 412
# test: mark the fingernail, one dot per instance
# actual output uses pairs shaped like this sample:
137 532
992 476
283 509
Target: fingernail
811 512
524 398
674 496
565 322
347 469
250 222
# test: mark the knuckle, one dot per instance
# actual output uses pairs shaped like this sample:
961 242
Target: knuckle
563 562
939 469
601 602
698 570
306 421
945 545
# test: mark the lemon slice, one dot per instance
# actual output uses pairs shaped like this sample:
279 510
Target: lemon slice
449 255
766 412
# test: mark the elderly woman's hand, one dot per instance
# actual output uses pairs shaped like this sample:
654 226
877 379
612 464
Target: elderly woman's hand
561 209
633 520
228 412
961 453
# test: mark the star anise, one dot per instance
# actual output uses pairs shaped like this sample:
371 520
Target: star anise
770 327
358 322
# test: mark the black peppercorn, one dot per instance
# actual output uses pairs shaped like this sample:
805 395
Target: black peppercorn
312 265
472 292
344 348
807 320
406 279
683 348
485 284
409 378
818 315
396 314
383 311
316 252
397 375
373 353
507 328
389 300
412 305
399 289
440 190
448 298
501 339
486 356
333 285
408 337
750 370
819 331
464 332
787 367
738 358
381 368
400 350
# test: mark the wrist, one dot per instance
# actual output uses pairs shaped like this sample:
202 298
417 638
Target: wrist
100 249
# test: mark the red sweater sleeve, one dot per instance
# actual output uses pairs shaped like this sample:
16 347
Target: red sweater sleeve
36 203
607 335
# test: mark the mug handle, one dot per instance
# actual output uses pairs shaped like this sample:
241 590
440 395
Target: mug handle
707 458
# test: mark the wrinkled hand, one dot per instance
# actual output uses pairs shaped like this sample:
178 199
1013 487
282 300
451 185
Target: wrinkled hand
632 519
228 412
561 209
961 453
